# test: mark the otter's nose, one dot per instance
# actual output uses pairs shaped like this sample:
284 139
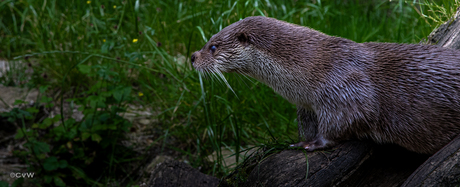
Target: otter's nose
193 57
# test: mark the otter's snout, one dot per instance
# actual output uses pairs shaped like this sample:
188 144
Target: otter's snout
194 57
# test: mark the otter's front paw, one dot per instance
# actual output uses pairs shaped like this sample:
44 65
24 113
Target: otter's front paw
310 146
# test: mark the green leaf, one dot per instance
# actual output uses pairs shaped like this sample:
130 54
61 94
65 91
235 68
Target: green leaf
43 88
112 126
95 137
18 182
4 184
114 110
19 134
58 181
105 48
85 69
46 123
85 135
121 93
48 179
57 117
81 108
32 110
50 163
96 101
46 99
58 131
104 117
98 127
23 113
136 7
118 95
70 122
41 147
49 105
105 94
72 133
63 164
21 153
127 91
126 125
35 125
18 102
96 88
85 124
17 113
77 172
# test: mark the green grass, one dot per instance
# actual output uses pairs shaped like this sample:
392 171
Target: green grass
63 38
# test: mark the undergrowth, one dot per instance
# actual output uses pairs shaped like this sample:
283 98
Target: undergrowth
104 55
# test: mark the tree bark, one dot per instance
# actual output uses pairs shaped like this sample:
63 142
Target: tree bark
174 173
289 168
442 169
352 163
447 35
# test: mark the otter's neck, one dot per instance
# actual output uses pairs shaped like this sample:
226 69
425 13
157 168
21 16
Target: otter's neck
289 82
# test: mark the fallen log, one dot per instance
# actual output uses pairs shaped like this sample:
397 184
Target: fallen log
173 173
441 169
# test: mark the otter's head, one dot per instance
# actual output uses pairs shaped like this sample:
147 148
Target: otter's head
234 49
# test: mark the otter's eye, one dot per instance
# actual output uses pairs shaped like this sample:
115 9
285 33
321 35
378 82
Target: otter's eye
213 49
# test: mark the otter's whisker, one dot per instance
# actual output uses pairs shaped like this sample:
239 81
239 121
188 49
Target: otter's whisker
240 74
214 77
245 75
219 73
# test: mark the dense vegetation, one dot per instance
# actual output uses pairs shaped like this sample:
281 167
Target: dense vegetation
105 54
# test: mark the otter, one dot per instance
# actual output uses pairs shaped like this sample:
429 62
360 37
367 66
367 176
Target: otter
406 94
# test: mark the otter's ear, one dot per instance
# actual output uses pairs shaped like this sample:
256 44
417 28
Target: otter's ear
243 38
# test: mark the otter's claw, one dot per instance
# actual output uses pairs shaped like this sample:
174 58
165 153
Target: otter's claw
300 144
307 146
312 145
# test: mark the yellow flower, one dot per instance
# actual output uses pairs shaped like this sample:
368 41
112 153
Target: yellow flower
103 40
114 6
88 2
135 40
140 94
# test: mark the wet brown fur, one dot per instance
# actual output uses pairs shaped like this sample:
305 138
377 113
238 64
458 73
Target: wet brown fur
405 94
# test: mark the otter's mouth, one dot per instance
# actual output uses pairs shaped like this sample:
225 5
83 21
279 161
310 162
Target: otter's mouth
212 72
209 70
